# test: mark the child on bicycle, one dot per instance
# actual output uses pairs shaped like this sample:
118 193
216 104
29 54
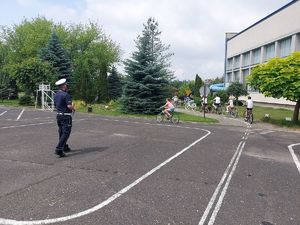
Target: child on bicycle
168 107
230 105
249 105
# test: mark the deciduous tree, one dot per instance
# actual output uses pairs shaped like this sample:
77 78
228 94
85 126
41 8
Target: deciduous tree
279 77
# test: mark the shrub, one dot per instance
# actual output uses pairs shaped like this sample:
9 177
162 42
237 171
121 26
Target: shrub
26 100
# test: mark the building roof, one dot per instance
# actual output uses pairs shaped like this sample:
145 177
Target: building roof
265 18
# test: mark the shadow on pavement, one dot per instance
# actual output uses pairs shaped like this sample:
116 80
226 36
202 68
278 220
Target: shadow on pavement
88 150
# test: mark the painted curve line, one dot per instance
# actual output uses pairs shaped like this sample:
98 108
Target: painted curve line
4 221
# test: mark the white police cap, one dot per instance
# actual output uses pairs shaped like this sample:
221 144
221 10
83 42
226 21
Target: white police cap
61 82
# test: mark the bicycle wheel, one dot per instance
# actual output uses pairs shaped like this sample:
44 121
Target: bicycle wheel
251 118
225 112
160 117
234 113
175 119
193 106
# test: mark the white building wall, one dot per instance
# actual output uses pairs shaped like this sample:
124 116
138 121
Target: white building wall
282 24
271 31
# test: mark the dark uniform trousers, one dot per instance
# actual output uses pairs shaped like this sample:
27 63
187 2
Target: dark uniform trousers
64 123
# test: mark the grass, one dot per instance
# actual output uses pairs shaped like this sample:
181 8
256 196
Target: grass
113 110
6 102
276 116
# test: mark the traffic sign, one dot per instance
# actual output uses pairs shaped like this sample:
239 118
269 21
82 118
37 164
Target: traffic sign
204 90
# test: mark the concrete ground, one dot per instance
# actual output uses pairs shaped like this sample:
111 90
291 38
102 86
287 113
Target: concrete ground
137 171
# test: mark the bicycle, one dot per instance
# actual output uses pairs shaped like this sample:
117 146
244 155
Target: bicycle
231 112
190 105
249 116
162 117
216 109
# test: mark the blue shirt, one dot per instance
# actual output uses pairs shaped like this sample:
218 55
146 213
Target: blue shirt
61 101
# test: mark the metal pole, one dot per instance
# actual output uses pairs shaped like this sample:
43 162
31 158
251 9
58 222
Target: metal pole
204 101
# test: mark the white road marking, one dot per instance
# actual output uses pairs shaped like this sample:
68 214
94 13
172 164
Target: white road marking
214 196
219 203
294 155
122 135
20 114
233 164
107 201
267 132
3 113
26 125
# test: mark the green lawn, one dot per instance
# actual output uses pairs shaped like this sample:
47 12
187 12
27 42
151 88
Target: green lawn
114 111
6 102
277 115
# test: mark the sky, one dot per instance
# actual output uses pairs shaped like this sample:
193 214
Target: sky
194 29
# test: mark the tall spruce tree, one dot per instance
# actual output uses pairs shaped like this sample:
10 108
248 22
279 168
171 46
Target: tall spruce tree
114 84
57 57
198 84
147 83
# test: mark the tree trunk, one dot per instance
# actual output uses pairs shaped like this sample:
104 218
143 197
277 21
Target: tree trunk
296 111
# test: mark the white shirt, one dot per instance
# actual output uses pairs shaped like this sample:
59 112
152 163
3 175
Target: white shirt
249 104
218 100
230 102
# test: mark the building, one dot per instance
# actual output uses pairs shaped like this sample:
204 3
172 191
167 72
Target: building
276 35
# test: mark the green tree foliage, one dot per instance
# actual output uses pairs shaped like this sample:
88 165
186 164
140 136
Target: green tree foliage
32 72
114 84
198 84
85 44
279 77
148 72
236 89
56 56
85 89
26 39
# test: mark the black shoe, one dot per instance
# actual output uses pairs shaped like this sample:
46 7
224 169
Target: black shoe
67 148
60 153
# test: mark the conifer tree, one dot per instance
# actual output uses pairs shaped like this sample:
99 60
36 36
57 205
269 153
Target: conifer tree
114 84
147 83
198 84
57 57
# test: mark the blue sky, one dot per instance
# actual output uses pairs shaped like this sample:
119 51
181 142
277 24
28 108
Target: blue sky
195 29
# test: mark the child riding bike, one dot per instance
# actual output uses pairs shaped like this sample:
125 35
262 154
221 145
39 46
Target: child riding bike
168 108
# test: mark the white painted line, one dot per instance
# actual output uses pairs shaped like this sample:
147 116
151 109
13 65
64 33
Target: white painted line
294 155
214 196
20 114
107 201
26 125
3 113
219 203
267 132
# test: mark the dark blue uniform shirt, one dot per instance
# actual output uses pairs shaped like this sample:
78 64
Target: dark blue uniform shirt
61 101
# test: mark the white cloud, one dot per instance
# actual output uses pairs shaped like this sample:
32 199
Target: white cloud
194 28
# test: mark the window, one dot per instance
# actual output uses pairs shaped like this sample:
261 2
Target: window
236 62
270 51
256 56
246 59
245 74
229 79
285 47
229 64
237 76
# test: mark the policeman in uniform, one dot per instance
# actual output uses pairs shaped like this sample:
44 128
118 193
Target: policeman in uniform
64 107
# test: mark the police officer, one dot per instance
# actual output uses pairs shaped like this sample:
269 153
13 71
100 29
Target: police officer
64 107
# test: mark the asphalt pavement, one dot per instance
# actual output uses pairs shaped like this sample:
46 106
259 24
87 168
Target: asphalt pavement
136 171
